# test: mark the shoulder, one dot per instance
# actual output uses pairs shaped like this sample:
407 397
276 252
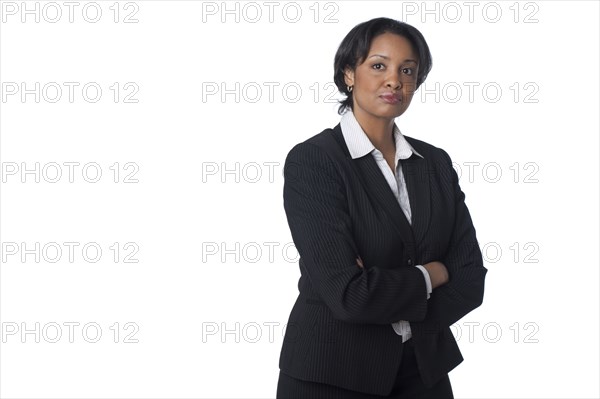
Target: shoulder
328 140
429 151
437 160
321 151
314 146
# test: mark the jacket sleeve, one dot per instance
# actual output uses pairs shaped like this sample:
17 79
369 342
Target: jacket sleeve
448 303
318 215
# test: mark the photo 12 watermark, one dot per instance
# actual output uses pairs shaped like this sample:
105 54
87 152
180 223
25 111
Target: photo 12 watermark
252 12
69 252
69 92
52 12
53 332
452 12
69 172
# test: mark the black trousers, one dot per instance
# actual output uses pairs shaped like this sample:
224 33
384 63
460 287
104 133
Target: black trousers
408 385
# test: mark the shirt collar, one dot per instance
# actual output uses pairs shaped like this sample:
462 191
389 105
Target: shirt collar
359 144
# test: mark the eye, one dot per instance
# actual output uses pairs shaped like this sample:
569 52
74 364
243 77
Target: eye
408 71
375 66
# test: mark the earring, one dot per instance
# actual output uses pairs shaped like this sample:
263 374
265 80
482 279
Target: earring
349 88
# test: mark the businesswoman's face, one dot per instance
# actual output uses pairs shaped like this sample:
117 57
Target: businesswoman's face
384 84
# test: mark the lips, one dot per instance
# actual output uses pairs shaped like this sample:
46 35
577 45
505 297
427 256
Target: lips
391 97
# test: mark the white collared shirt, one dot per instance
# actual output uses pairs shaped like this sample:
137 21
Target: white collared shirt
359 145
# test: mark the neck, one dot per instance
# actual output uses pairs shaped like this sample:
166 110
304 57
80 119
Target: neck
379 130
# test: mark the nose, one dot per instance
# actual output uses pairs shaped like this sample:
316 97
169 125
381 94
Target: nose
393 82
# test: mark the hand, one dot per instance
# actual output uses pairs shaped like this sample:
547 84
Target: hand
437 273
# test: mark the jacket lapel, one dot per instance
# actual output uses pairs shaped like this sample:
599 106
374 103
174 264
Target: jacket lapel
416 175
378 189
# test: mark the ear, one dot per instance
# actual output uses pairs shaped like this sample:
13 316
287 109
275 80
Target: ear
349 76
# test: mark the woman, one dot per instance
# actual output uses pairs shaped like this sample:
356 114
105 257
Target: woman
388 253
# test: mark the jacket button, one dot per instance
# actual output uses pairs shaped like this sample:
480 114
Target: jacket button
409 262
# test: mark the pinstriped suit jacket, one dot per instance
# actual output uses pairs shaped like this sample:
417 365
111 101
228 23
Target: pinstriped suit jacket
337 209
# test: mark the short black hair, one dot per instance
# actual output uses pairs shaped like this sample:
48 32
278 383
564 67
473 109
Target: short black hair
355 48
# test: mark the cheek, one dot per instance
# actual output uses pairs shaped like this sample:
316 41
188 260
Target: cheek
409 89
367 83
409 85
363 87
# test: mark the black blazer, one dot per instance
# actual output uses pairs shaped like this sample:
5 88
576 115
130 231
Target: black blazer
339 331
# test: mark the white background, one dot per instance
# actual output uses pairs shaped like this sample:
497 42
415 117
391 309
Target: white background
207 299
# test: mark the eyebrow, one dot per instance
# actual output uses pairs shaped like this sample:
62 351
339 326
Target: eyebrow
387 58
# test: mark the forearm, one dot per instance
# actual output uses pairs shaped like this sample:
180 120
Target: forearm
370 294
437 273
449 303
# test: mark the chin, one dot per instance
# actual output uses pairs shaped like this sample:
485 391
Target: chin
391 113
401 112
